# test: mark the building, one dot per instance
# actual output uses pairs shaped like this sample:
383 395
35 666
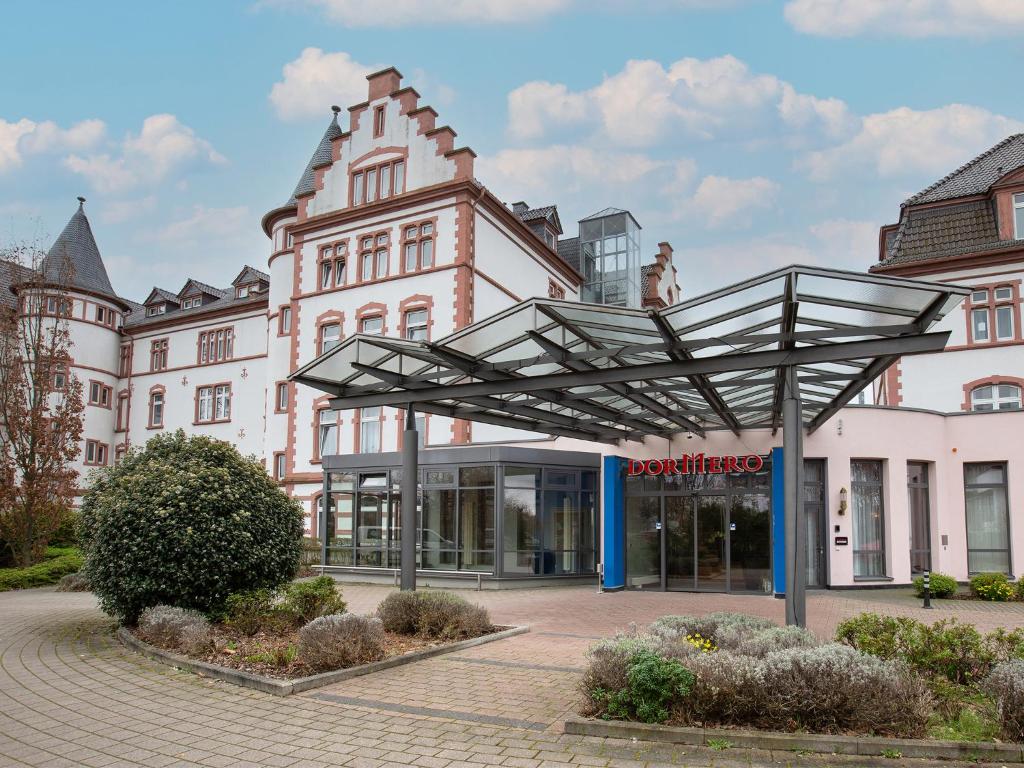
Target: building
388 233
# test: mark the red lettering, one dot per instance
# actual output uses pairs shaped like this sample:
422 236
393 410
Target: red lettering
698 464
671 467
715 465
730 464
634 468
654 467
752 463
687 464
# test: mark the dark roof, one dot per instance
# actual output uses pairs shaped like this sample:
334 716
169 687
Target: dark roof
249 274
320 158
11 274
975 177
545 212
76 259
160 293
611 212
138 317
942 231
203 287
569 251
645 279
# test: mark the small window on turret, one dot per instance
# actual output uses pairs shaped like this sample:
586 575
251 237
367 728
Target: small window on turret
378 122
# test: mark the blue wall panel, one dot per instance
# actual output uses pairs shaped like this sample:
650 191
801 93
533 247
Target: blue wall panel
614 523
778 524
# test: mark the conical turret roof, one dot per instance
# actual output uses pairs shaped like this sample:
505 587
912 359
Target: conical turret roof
320 158
74 259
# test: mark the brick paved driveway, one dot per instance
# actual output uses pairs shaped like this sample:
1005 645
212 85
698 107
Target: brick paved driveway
70 695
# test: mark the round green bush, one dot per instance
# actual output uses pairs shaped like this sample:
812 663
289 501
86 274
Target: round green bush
992 586
185 522
941 585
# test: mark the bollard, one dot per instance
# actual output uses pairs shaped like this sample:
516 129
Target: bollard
927 590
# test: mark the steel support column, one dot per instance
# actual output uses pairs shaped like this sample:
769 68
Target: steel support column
796 534
410 494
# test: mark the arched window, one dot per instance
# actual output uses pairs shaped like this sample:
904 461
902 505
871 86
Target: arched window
996 397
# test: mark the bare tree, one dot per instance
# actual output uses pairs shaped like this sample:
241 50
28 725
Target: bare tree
40 403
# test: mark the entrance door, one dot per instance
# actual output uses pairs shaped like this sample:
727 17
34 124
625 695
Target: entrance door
643 542
712 566
814 515
920 529
679 552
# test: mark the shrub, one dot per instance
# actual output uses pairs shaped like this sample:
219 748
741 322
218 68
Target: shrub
652 684
439 615
948 648
186 521
65 535
723 629
74 582
399 612
249 612
336 641
940 584
1006 685
608 669
759 644
1019 589
306 600
59 562
174 628
992 586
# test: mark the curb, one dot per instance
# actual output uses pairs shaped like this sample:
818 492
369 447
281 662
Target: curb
789 742
299 684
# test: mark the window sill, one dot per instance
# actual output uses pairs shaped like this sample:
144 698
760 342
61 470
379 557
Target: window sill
213 421
158 426
868 579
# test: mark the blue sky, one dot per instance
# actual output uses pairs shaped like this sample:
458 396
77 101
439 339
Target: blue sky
748 133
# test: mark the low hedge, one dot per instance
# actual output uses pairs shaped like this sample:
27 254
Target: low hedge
940 584
59 562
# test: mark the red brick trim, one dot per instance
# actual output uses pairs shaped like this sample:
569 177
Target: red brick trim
373 309
417 241
990 305
972 385
362 251
411 304
330 317
207 340
893 384
280 319
158 354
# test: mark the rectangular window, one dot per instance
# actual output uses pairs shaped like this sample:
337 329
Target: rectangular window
868 519
156 409
381 257
378 121
204 407
330 336
979 324
95 453
158 355
399 171
1004 322
216 346
1018 216
374 325
122 412
920 522
988 528
371 185
222 402
369 429
1004 293
101 314
281 403
385 183
418 246
125 366
279 465
285 321
94 392
416 323
357 188
60 376
326 272
327 439
340 259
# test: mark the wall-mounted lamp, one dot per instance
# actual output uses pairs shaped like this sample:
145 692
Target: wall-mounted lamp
842 501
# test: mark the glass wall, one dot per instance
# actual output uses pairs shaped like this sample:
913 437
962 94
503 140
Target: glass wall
920 527
547 519
610 259
988 530
868 518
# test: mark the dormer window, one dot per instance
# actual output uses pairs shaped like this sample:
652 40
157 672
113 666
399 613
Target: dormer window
1018 216
156 309
192 301
241 291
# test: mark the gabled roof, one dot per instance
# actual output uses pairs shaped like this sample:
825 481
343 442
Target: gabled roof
611 212
160 293
250 275
75 259
945 230
209 290
976 176
11 274
321 157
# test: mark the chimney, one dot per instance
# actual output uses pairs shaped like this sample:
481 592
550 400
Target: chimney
384 83
520 208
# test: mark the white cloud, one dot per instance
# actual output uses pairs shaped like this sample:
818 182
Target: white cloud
904 141
399 13
315 81
703 98
119 211
909 18
27 137
720 200
162 146
206 223
846 243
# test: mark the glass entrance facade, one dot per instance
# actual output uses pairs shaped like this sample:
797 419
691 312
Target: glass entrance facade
699 532
505 519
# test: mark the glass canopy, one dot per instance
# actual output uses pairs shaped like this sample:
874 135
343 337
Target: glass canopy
605 373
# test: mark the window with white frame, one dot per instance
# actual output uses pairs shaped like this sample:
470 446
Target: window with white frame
333 260
993 313
379 182
1003 297
285 321
418 246
213 403
282 396
369 429
373 256
279 466
372 325
217 345
417 323
327 432
996 397
95 452
1018 216
156 409
330 336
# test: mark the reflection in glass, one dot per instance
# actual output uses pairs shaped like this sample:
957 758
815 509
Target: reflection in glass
679 570
476 528
711 565
988 541
868 518
749 532
643 541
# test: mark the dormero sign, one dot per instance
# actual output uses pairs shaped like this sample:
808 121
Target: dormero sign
695 464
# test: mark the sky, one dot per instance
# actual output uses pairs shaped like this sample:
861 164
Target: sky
750 134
